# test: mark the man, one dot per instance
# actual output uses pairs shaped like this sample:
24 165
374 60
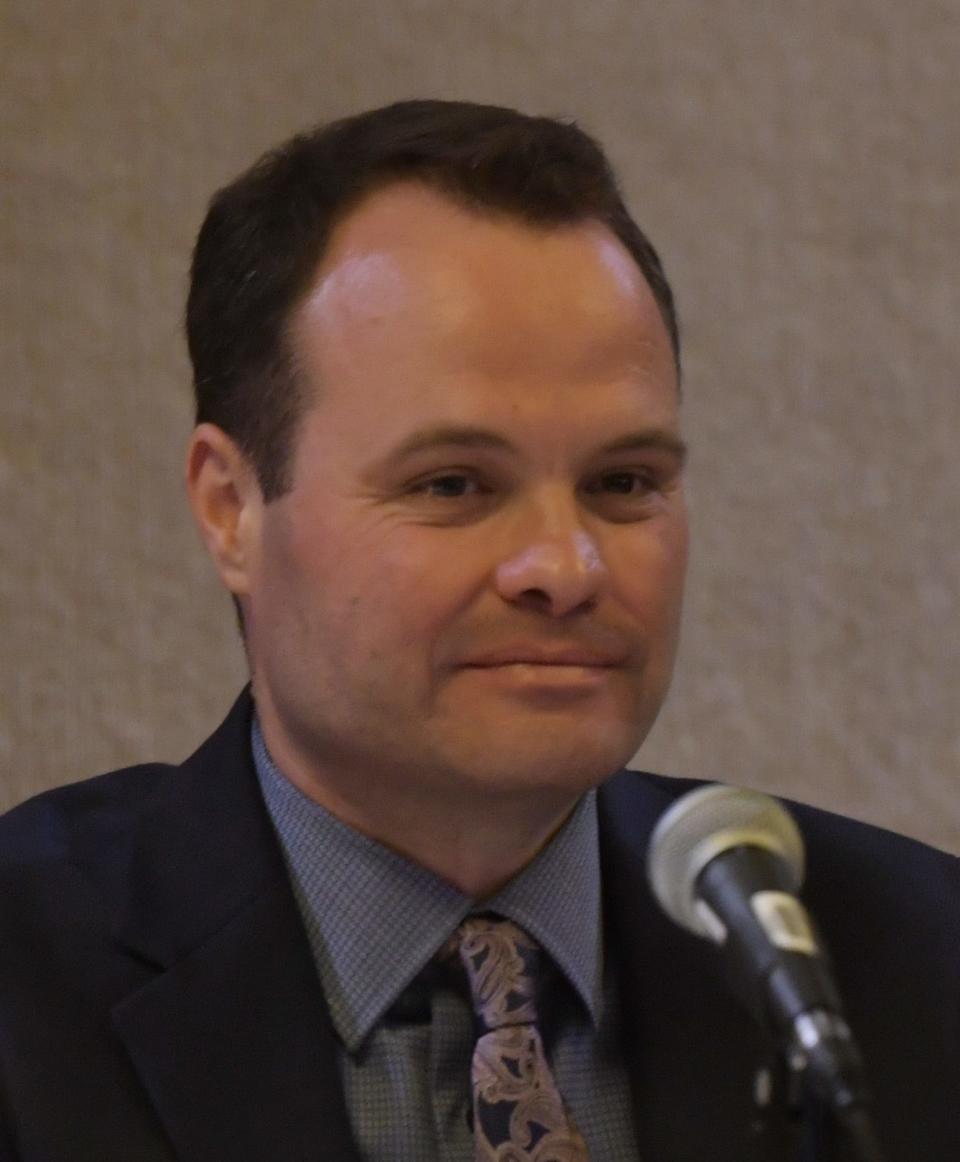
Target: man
438 464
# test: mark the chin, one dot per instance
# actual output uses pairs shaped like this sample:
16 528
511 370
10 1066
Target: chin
561 764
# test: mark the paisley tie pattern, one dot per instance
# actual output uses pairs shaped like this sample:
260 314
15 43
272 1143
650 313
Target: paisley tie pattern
518 1114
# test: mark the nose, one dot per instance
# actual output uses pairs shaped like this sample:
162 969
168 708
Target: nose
557 568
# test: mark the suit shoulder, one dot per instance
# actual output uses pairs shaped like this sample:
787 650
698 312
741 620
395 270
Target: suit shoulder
64 822
869 864
631 783
632 795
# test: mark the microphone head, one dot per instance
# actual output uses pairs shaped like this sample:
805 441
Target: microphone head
702 825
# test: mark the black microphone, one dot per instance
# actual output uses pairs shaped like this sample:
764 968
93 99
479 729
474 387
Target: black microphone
727 864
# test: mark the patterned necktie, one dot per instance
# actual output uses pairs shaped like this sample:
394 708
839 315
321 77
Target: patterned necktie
518 1114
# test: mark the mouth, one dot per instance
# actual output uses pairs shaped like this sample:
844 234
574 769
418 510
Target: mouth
560 659
549 675
545 682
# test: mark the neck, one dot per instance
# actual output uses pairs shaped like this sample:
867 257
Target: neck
476 841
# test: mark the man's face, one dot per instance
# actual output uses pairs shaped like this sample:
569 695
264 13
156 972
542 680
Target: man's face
474 584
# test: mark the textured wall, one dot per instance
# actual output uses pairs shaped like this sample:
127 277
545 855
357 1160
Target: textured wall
798 167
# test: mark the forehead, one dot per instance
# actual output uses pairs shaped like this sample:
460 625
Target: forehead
409 255
418 224
424 309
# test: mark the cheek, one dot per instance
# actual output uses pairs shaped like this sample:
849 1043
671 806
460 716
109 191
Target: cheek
676 543
649 576
395 594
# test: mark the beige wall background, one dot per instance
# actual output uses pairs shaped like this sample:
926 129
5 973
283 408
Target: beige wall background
797 166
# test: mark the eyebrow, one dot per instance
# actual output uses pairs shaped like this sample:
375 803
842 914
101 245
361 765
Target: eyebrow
467 436
650 438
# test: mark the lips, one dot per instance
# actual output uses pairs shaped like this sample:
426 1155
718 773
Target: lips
540 656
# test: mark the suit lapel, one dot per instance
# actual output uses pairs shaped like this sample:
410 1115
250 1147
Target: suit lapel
694 1055
231 1037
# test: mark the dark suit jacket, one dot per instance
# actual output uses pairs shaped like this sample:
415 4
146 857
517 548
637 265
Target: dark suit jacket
158 999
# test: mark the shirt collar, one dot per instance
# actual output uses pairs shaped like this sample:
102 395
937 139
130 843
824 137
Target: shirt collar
374 919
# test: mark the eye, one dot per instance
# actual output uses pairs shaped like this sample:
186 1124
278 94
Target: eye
449 486
626 495
636 484
451 497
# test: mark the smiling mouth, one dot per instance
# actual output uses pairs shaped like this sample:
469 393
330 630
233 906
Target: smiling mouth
539 664
575 659
541 679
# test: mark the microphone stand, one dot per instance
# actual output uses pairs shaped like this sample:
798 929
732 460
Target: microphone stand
848 1108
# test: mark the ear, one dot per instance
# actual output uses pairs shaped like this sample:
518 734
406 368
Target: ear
226 502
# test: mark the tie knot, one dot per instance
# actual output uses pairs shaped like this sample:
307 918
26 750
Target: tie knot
501 963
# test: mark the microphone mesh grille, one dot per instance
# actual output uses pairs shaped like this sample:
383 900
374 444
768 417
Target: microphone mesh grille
705 823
